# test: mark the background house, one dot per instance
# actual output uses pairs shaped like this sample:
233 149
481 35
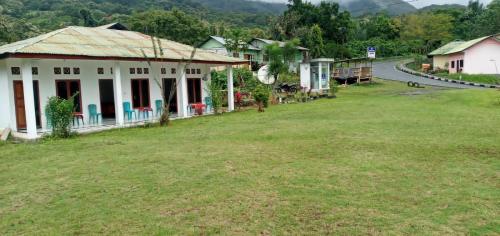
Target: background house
247 52
254 51
477 56
301 55
440 59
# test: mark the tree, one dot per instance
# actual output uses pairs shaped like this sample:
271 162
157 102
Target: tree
88 19
236 41
381 26
433 29
488 23
317 47
174 25
5 30
468 20
289 51
276 61
336 25
159 54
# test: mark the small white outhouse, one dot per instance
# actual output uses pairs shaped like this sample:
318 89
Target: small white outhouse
316 74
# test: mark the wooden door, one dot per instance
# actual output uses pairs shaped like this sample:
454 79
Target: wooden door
19 105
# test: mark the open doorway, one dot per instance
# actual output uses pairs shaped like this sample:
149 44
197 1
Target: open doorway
169 85
140 93
107 97
194 91
67 88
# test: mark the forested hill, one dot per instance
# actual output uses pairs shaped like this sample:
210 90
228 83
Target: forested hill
364 7
51 14
126 6
443 7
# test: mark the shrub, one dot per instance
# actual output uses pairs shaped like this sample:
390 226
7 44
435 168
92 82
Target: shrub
60 114
302 95
261 95
216 95
333 88
242 78
290 78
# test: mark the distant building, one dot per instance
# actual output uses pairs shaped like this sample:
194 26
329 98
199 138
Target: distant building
247 52
302 54
477 56
253 52
440 59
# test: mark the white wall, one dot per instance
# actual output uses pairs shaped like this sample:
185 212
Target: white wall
478 59
439 62
89 81
305 75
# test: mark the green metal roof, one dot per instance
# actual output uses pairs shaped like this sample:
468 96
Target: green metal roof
466 45
444 49
459 46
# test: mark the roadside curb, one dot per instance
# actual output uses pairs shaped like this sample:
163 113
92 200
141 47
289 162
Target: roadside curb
403 68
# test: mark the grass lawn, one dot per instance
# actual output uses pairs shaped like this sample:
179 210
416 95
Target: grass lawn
485 79
380 159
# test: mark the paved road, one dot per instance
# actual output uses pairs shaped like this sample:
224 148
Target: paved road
386 70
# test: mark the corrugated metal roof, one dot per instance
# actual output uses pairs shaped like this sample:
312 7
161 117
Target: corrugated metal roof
280 43
461 47
101 42
222 41
444 49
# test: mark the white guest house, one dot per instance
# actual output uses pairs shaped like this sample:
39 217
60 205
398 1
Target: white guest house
106 69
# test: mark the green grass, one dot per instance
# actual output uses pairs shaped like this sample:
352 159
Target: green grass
485 79
380 159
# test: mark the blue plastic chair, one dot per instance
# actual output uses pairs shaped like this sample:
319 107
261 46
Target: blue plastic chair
48 118
159 107
128 111
208 103
93 115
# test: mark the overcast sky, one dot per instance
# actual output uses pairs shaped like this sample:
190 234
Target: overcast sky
417 3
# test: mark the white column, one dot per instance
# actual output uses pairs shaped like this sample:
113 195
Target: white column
320 72
182 92
117 84
328 74
230 89
29 99
5 98
205 89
